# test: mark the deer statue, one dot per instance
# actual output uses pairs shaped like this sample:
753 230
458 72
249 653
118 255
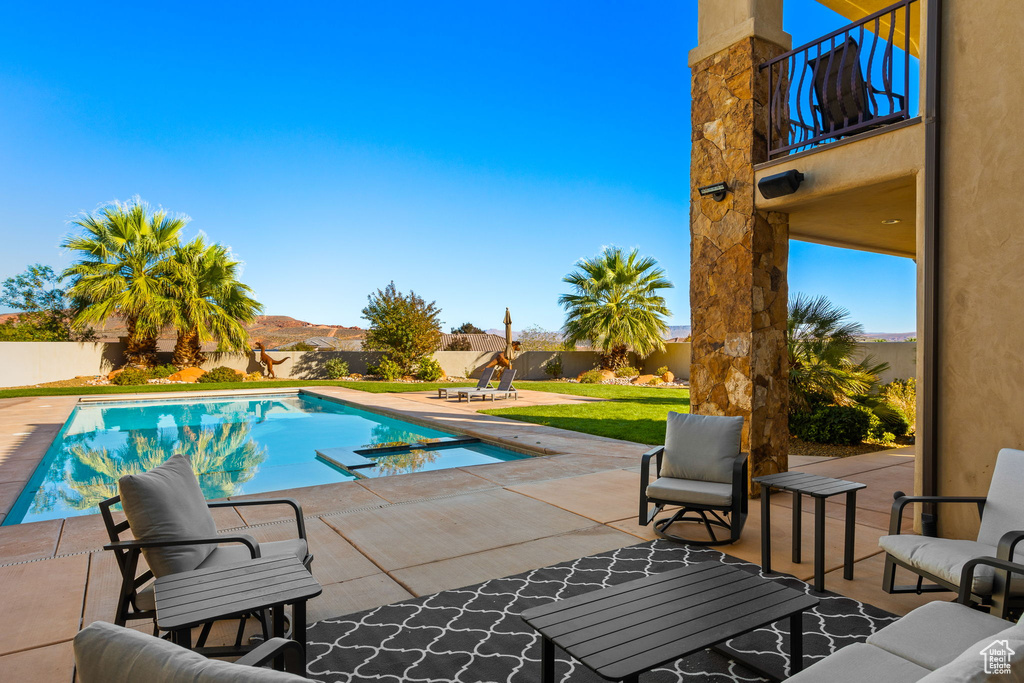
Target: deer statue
268 361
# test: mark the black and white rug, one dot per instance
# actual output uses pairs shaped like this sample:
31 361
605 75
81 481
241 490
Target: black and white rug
474 634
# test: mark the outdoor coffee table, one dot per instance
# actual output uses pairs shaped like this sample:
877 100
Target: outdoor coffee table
190 599
622 631
819 488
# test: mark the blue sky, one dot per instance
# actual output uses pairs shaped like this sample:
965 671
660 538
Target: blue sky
470 151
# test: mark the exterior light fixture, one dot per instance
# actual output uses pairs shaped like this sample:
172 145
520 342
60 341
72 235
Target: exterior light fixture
780 184
891 221
716 191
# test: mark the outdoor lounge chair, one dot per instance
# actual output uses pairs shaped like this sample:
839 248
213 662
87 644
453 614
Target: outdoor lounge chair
701 469
175 532
941 560
105 653
484 383
940 642
505 388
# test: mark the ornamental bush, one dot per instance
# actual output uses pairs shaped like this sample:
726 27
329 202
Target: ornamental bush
429 370
388 370
626 371
335 368
553 368
221 375
832 425
162 371
591 377
131 377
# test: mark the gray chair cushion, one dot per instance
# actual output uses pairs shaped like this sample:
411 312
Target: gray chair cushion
236 552
701 447
942 557
934 634
1004 507
689 491
166 504
105 653
969 666
858 663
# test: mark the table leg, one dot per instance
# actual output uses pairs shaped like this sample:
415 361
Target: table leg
796 643
798 513
819 544
635 678
547 661
766 530
299 628
851 525
183 637
278 619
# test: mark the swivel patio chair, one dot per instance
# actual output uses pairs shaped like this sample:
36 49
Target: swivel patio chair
941 560
174 531
483 383
700 469
105 653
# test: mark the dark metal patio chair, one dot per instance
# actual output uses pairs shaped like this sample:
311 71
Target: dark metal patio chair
700 469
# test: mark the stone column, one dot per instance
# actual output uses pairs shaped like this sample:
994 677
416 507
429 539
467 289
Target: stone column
738 255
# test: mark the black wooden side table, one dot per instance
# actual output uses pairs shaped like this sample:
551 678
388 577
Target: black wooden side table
189 599
622 631
821 489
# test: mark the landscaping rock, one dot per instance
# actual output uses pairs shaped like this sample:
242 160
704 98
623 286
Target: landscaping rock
114 374
668 377
643 379
189 375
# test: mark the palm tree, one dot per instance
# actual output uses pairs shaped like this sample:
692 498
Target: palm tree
122 270
821 344
616 305
211 303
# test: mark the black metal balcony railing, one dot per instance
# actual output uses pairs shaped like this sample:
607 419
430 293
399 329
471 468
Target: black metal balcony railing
852 80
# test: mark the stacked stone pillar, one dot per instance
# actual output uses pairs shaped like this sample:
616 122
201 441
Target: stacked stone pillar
738 257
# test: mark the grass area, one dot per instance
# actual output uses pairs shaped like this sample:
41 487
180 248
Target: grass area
372 387
630 413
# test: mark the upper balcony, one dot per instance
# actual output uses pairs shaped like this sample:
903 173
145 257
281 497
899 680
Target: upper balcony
859 78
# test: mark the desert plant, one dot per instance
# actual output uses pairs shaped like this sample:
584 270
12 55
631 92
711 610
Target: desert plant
655 381
220 375
162 371
131 377
832 424
404 326
429 370
336 368
626 371
123 269
459 344
388 370
616 305
553 367
663 370
591 377
901 394
254 376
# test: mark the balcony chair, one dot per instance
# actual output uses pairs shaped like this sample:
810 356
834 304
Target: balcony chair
941 560
105 653
700 469
846 104
174 531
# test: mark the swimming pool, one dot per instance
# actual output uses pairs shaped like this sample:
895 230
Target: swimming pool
238 445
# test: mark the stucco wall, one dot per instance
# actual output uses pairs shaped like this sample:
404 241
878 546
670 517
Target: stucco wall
980 387
25 363
901 357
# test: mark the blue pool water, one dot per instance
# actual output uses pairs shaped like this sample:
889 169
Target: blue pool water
238 445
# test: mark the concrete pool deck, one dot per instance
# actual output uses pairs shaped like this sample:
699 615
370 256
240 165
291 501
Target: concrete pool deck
383 540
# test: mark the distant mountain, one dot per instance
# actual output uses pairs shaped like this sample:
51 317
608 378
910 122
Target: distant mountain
888 336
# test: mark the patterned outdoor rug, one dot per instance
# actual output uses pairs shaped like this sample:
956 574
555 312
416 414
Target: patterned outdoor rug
474 634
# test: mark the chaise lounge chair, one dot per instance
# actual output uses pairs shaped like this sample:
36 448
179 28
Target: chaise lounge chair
941 560
505 389
484 383
701 469
105 653
175 532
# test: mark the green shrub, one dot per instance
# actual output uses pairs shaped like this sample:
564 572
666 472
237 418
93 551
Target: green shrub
388 370
131 377
661 371
626 371
591 377
832 424
655 381
429 370
162 371
901 394
553 368
221 375
254 376
336 368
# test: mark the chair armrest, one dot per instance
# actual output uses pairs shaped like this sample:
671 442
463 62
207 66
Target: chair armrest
645 464
967 574
300 521
739 477
248 541
901 501
273 648
1008 544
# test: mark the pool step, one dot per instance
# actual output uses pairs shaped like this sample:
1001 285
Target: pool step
344 458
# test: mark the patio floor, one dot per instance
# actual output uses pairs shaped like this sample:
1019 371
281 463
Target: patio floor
383 540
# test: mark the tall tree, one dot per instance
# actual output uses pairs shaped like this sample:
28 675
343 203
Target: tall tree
210 302
45 312
822 342
124 254
616 305
404 326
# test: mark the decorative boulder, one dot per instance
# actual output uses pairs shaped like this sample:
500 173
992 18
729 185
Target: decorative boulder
114 374
642 379
668 377
187 375
607 375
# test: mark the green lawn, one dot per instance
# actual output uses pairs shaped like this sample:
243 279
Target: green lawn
373 387
631 413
